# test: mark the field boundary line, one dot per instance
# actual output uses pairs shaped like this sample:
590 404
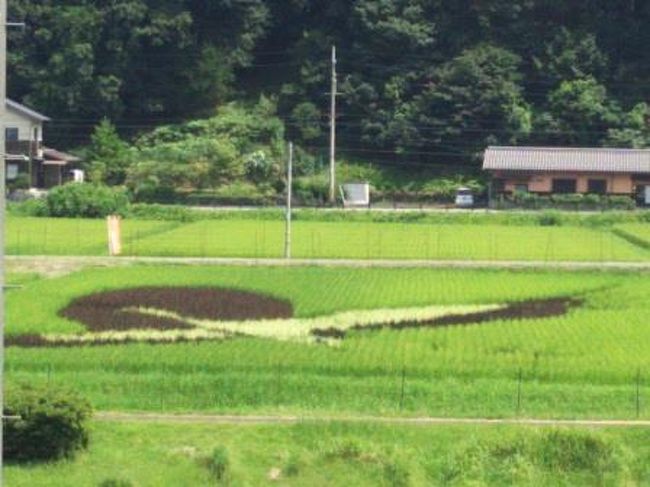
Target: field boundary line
298 262
108 416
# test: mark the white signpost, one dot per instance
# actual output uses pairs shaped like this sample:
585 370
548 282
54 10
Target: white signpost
355 194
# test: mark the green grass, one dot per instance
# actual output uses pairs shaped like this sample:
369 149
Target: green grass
263 238
343 454
584 364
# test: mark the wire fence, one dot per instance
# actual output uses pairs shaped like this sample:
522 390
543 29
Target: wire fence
401 392
260 238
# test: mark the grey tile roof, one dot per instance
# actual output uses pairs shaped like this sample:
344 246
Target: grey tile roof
28 112
567 159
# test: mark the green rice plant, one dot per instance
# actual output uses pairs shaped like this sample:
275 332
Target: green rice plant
345 239
593 361
74 236
336 240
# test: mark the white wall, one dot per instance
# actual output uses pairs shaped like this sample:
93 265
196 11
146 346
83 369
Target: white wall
24 124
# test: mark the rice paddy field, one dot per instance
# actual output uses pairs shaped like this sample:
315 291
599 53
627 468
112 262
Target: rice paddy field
341 341
263 238
636 233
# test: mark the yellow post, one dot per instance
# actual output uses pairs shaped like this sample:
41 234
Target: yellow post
114 235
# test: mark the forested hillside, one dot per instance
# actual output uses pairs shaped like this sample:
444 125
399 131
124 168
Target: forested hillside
420 81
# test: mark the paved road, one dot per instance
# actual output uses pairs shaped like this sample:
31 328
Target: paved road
390 420
55 265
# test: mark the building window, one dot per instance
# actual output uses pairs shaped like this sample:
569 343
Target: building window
11 134
35 134
597 186
12 171
564 186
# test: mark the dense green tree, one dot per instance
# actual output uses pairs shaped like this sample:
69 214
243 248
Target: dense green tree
473 100
107 157
580 113
420 81
634 131
238 143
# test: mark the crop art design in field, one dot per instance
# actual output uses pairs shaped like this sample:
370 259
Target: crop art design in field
173 314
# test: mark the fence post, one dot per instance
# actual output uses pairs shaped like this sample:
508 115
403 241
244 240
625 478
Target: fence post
203 238
162 389
49 374
278 384
638 392
519 378
44 244
401 395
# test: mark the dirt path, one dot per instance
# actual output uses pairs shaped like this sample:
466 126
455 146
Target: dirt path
419 421
58 265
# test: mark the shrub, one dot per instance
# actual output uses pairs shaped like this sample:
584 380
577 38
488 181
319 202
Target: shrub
292 466
444 189
526 199
550 219
237 193
346 450
571 450
49 424
145 211
20 182
260 168
621 202
86 200
311 190
30 207
396 475
150 191
528 459
571 200
592 200
115 483
218 463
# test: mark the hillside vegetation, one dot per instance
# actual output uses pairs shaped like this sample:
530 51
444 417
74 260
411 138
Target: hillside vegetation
421 82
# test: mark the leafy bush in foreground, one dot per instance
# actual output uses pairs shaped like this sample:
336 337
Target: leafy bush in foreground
528 459
569 450
30 207
46 424
86 201
218 463
115 483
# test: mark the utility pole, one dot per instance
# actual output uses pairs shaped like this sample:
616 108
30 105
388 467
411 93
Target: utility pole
287 228
333 130
3 96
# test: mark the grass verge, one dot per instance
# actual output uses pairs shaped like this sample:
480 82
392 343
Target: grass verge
344 454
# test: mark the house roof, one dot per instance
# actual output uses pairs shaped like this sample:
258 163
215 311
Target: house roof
53 156
27 112
567 159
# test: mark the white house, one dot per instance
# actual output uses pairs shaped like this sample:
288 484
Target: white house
29 164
